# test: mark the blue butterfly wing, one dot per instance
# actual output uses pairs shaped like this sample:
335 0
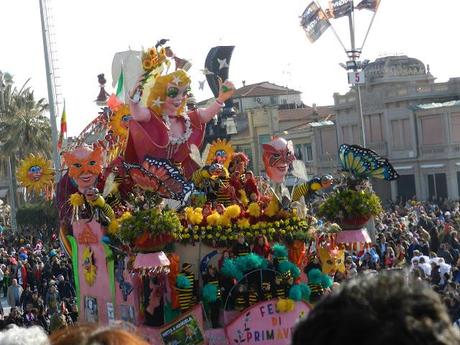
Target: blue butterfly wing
365 163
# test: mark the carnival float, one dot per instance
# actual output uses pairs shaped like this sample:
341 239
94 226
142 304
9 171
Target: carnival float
182 241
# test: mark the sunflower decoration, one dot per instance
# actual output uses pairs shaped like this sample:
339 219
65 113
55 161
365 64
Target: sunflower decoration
119 121
153 59
221 151
36 174
89 268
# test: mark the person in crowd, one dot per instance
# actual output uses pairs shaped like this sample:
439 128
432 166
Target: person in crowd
408 312
14 294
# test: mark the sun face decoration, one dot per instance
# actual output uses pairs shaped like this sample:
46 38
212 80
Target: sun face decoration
35 173
220 152
89 269
120 120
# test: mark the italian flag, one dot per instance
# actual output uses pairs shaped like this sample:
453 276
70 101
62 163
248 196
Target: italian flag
117 99
63 129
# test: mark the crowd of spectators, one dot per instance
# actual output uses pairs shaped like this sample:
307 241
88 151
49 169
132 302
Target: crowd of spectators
37 282
421 237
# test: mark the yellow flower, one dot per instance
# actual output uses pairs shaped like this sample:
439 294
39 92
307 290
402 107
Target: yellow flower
232 211
147 64
254 209
272 208
76 199
125 216
243 223
113 228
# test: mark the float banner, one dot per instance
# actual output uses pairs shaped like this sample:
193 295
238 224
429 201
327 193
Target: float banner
340 8
372 5
262 324
185 331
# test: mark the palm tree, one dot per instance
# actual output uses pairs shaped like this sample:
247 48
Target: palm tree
23 128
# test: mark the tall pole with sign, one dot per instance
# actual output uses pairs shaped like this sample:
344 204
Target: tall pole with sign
357 70
315 21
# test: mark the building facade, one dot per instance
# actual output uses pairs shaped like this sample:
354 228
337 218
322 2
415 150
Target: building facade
267 110
410 119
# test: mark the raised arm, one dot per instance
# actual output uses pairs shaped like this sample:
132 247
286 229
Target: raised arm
226 90
138 112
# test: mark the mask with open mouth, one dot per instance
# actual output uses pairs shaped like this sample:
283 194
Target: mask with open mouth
84 165
277 157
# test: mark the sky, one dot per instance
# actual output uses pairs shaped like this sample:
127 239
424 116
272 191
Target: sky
269 43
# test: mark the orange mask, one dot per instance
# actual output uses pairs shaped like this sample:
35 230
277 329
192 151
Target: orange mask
84 165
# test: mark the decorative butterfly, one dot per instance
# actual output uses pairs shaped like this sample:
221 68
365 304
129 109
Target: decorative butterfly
365 163
159 176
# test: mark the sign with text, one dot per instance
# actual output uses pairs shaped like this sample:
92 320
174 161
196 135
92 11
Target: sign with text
263 324
356 78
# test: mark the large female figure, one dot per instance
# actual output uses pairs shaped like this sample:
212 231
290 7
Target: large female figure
161 128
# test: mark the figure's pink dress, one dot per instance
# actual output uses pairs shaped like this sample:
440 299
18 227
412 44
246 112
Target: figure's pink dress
151 139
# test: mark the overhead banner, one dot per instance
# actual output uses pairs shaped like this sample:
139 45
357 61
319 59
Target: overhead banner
371 5
314 21
339 8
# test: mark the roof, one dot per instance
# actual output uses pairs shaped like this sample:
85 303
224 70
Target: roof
305 113
427 106
264 88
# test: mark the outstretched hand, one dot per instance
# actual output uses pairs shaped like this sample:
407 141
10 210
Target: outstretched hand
226 90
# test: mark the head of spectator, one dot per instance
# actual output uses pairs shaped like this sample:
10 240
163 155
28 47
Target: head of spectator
402 312
91 335
24 336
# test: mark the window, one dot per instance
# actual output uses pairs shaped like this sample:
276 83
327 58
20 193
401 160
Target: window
432 133
308 152
303 152
298 151
437 186
455 127
406 187
374 131
328 141
351 134
273 100
402 135
264 139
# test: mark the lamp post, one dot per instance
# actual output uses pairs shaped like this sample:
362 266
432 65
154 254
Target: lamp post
356 74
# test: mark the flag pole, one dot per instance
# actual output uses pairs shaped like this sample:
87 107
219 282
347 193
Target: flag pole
338 38
368 30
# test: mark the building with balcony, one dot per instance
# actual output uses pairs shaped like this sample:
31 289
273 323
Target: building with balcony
410 119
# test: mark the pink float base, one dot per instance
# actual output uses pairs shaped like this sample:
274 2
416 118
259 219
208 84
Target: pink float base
353 236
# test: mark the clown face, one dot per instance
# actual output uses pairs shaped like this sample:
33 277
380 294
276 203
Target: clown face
278 155
84 166
35 173
176 97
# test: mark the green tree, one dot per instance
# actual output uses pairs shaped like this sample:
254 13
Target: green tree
24 128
